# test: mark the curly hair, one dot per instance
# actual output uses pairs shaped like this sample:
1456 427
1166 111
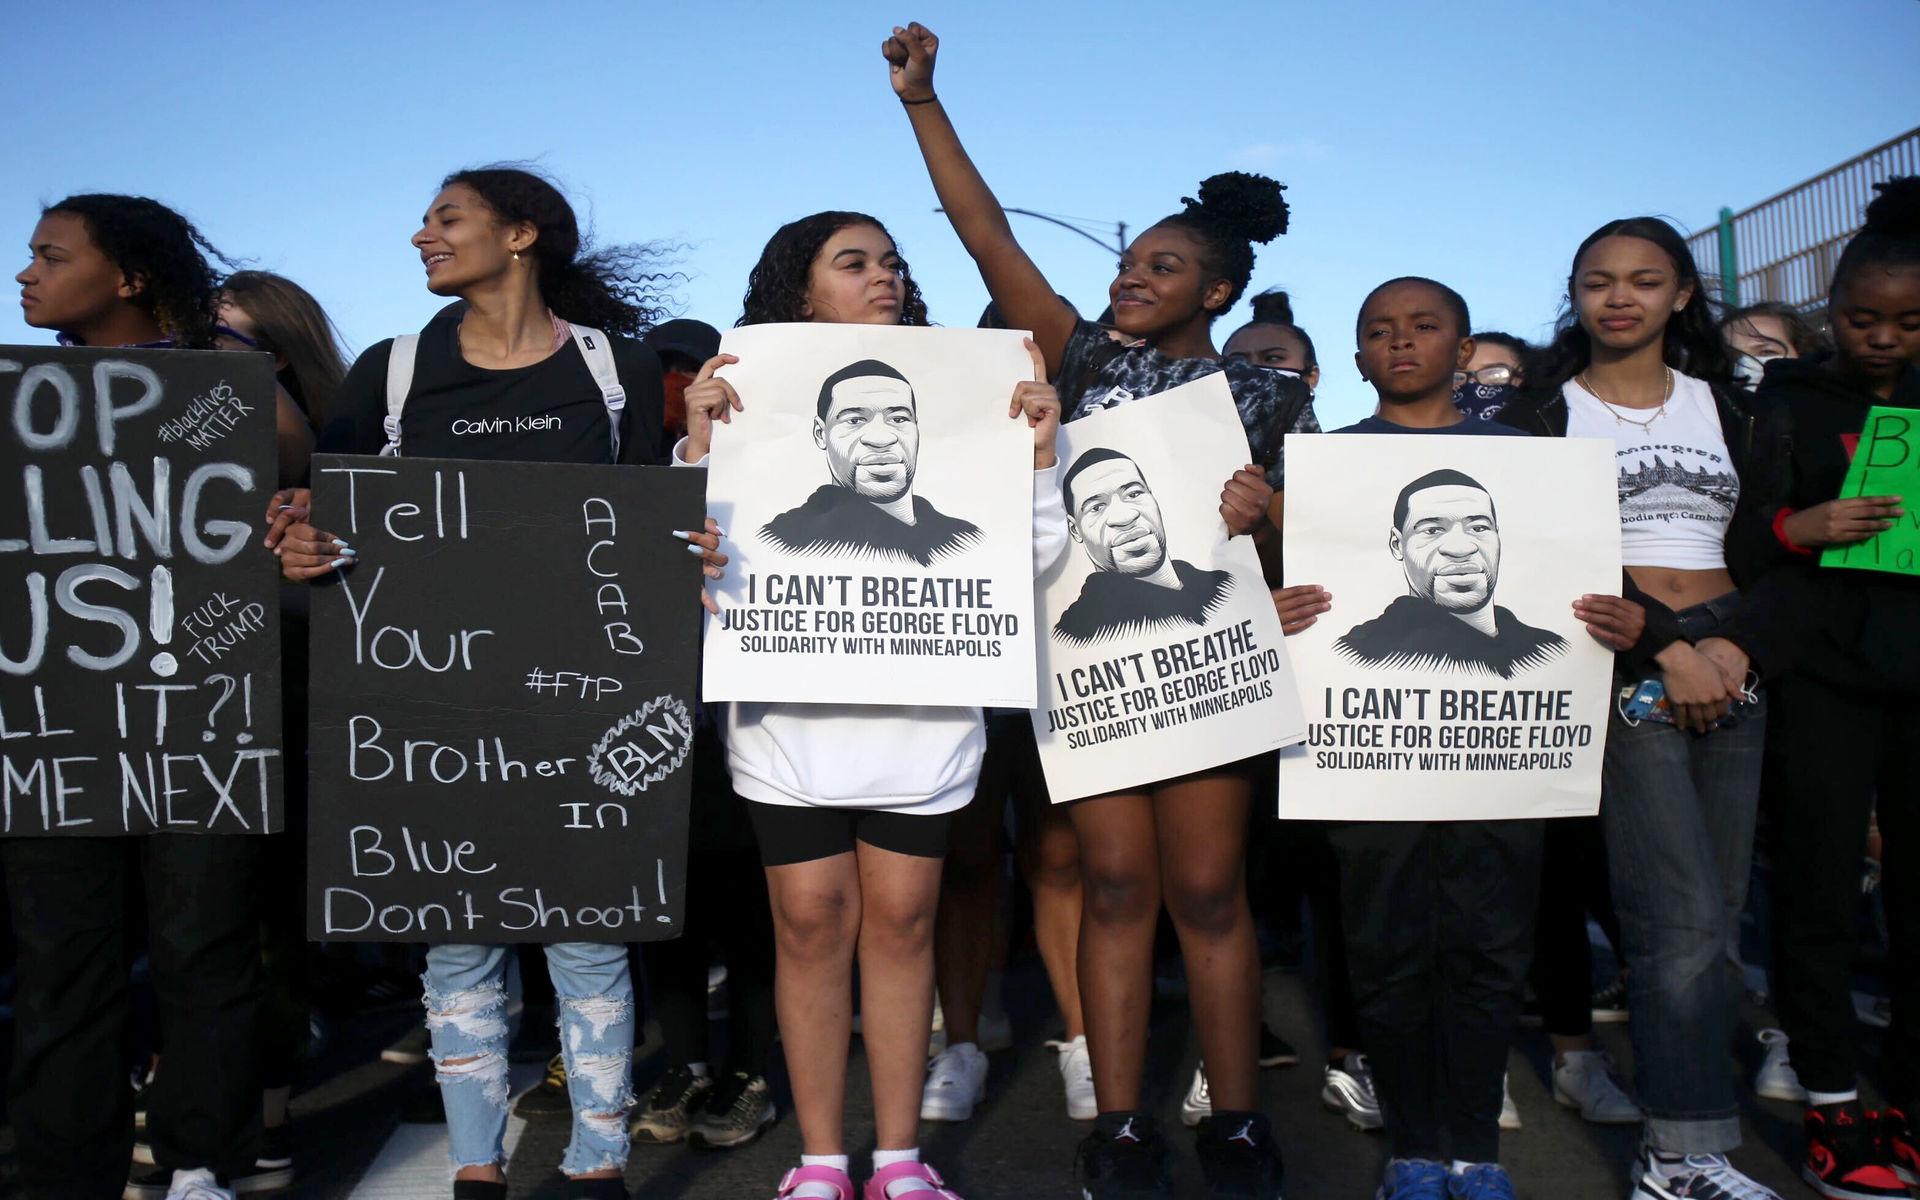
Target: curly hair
1692 343
1235 209
617 289
1456 304
160 250
777 285
1890 239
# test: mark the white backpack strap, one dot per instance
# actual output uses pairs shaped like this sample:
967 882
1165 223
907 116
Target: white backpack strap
598 351
399 383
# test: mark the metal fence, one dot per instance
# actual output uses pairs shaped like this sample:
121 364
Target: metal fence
1784 248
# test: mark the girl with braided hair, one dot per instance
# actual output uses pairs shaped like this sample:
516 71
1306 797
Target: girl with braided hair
1178 841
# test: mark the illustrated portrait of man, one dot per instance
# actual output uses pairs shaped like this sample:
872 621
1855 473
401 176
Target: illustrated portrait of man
1136 584
1446 537
867 422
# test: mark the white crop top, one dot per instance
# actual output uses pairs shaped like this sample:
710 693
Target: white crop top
1677 483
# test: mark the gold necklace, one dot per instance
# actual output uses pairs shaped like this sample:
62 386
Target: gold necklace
1613 408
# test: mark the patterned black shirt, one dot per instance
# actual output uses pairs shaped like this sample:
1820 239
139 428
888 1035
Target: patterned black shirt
1096 372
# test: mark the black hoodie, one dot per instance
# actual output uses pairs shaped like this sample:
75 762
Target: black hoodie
1849 628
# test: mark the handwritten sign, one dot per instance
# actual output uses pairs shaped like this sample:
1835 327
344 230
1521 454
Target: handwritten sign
1885 463
140 625
502 701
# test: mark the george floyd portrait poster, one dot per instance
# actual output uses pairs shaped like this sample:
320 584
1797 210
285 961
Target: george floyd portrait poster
1450 680
1161 653
878 508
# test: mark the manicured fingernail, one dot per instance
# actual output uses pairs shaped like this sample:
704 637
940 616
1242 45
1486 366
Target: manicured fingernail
696 549
350 552
683 535
340 545
340 562
718 530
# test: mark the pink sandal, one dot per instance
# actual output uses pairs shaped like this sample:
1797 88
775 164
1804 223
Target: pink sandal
877 1186
840 1181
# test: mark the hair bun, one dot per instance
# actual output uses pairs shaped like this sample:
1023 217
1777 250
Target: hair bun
1273 307
1896 210
1245 205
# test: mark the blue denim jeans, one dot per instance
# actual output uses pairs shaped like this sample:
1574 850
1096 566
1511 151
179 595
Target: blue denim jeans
1678 810
466 1003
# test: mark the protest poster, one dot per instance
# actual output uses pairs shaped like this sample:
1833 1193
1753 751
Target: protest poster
140 630
1450 680
1160 652
1886 462
503 709
878 506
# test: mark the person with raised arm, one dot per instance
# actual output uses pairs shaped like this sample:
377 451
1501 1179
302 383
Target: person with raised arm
1179 841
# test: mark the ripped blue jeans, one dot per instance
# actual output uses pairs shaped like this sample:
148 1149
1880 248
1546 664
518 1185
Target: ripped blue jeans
467 1017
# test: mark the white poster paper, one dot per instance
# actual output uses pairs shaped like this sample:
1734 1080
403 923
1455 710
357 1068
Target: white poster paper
1451 680
878 503
1162 654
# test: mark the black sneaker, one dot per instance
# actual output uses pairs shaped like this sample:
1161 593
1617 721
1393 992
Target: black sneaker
738 1110
273 1170
596 1189
667 1112
478 1189
1237 1155
1610 1003
412 1049
1124 1158
1276 1051
551 1096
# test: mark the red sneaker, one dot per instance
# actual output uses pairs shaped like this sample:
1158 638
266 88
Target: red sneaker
1896 1137
1845 1158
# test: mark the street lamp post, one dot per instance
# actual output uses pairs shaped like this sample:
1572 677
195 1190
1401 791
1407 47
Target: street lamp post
1085 228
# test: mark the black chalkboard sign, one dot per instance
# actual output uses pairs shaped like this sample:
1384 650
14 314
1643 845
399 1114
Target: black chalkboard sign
139 611
503 695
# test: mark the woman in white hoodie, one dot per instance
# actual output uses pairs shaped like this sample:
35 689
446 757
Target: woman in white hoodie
852 803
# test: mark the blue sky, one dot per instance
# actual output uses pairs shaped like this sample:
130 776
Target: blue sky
1417 138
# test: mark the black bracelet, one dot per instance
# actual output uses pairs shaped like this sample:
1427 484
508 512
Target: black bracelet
928 100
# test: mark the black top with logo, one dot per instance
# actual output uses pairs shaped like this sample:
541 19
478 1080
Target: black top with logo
551 411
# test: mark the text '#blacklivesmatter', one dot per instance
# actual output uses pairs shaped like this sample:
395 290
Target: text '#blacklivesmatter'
139 631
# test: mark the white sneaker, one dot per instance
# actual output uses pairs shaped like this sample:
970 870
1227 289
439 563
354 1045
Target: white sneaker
1692 1177
1776 1079
1197 1104
1509 1111
197 1185
1347 1088
956 1081
1076 1072
1583 1079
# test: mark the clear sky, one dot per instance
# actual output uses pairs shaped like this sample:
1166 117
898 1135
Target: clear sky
1477 144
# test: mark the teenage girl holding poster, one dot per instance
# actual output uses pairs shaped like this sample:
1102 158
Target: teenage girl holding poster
851 878
1178 841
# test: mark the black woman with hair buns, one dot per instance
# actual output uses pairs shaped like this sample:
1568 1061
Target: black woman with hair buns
1178 841
1845 696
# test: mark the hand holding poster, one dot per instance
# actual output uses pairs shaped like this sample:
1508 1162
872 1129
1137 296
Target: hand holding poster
140 631
502 702
1451 680
1885 463
878 503
1163 654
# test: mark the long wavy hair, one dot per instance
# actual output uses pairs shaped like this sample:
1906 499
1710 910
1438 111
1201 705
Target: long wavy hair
161 251
1692 343
777 285
622 289
290 323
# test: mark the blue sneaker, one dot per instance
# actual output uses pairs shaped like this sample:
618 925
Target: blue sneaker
1481 1181
1413 1179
